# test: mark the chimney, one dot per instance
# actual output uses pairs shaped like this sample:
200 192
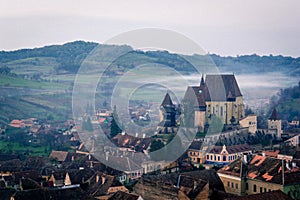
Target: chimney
106 155
97 178
294 164
282 170
288 165
136 135
144 135
123 133
195 184
245 159
263 154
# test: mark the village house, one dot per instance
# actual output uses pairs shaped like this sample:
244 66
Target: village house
246 176
224 155
103 186
249 122
127 142
132 170
204 184
23 123
125 196
61 156
17 123
290 154
276 194
294 122
196 153
293 141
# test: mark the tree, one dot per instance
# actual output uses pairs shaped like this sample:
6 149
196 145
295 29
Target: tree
215 125
248 111
114 127
87 125
187 119
156 145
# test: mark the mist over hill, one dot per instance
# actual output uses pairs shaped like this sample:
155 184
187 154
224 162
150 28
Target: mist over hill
38 82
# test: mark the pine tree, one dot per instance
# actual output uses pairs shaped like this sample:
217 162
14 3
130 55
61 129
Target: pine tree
114 128
87 125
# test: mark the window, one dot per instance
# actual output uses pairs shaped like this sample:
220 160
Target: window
270 190
221 110
265 189
232 185
254 188
228 184
247 186
218 158
260 189
207 157
224 158
236 186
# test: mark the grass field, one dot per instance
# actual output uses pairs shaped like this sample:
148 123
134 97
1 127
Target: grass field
29 66
21 149
10 81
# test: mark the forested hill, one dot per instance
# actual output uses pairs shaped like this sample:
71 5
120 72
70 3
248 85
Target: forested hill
67 58
287 103
259 64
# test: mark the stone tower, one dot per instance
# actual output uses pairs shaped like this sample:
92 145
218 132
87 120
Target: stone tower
167 116
274 124
167 112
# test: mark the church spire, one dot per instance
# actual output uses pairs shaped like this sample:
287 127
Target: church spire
202 83
274 115
167 101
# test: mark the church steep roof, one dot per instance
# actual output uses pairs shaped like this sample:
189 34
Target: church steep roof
222 87
274 115
195 95
167 101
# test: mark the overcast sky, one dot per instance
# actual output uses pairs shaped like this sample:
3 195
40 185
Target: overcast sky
232 27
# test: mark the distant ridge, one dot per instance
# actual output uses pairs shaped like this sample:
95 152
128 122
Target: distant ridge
70 55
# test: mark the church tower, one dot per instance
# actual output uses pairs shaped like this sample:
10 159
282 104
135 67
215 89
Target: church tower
274 124
167 112
167 115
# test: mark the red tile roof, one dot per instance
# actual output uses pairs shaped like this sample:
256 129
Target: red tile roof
59 155
264 168
272 153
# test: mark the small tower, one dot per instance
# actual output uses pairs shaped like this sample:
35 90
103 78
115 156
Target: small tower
274 124
167 112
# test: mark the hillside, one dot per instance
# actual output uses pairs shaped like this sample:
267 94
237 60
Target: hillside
38 82
287 103
66 58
